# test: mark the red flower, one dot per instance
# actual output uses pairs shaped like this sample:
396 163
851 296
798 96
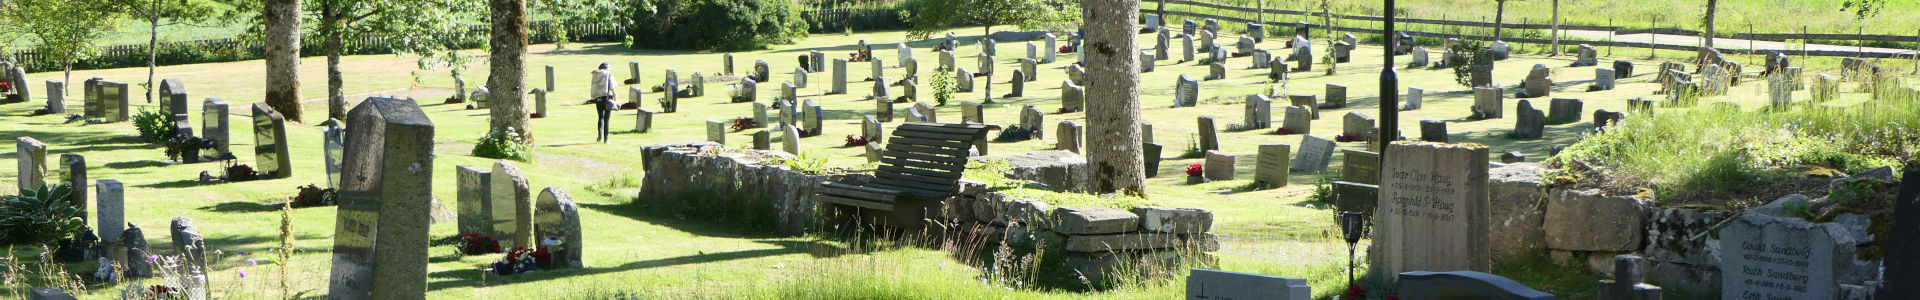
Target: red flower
1393 297
1355 292
1284 130
1193 169
856 141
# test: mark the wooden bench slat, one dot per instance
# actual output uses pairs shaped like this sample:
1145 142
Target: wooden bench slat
924 164
902 147
946 159
851 191
852 202
967 130
930 143
911 191
916 179
919 172
935 135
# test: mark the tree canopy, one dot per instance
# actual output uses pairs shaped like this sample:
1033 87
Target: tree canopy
939 15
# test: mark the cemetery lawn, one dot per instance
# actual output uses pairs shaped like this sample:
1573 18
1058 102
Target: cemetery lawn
634 251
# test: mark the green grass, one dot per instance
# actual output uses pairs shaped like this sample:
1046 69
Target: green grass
1735 16
634 249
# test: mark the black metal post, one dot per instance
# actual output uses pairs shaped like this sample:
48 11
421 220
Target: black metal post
1389 90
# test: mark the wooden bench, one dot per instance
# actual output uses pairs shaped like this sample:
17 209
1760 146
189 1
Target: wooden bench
921 164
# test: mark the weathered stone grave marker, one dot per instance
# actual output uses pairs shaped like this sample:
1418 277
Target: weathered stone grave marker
1436 210
380 240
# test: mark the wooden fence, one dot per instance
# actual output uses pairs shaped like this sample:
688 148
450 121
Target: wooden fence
1145 9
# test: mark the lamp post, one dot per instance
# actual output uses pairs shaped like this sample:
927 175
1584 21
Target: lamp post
1352 226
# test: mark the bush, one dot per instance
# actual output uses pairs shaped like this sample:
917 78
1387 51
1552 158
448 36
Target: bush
943 86
503 145
184 146
154 127
718 25
38 216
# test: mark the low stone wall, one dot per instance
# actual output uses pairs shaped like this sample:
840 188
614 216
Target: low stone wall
684 175
1098 240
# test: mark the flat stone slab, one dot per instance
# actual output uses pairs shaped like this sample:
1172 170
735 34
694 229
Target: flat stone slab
1174 220
1588 221
1114 242
1094 220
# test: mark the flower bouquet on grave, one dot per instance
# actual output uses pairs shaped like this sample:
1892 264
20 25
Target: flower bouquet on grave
744 123
857 141
6 87
1284 131
1067 49
1193 174
520 260
476 244
1345 137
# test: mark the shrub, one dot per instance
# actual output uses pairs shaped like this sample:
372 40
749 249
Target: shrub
182 146
1193 148
38 216
476 244
1466 54
154 127
313 196
943 86
719 25
1014 134
503 144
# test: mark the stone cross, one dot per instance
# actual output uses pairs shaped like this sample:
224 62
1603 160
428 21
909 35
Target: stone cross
1626 285
380 233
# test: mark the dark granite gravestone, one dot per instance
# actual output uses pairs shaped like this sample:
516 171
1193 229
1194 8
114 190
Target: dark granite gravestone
270 153
1436 198
762 140
1354 196
173 97
1464 285
1205 284
1767 257
557 225
1360 166
75 166
1902 259
1622 69
380 236
1151 159
113 98
135 240
1563 110
213 126
474 197
191 248
510 191
1433 131
1530 123
1628 270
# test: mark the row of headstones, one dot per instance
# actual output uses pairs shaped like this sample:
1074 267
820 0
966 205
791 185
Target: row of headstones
120 247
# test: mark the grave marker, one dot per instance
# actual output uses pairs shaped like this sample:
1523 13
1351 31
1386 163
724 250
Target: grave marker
1315 153
1208 138
213 125
1068 138
475 200
1768 257
1299 120
1219 165
56 97
31 157
1435 210
510 190
557 222
717 131
1273 166
270 143
380 235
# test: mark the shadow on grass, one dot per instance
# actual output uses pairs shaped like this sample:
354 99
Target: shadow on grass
460 278
173 184
134 164
239 207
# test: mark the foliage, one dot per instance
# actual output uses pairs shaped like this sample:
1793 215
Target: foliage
943 86
503 144
241 172
1864 9
183 146
61 31
565 13
936 16
1014 133
154 127
803 163
1193 148
1322 191
315 196
476 244
38 216
738 94
718 25
1466 54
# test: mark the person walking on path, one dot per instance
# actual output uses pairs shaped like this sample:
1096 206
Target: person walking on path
603 98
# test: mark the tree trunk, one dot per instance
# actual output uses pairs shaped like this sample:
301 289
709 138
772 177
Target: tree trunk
336 98
1113 88
1498 14
283 57
507 84
1556 28
1712 7
153 41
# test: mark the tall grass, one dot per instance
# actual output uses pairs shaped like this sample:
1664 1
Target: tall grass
1717 150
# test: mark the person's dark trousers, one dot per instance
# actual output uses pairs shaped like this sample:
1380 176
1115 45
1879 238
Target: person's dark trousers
605 107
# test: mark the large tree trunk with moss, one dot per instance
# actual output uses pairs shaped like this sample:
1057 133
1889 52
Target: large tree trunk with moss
283 57
1113 94
507 86
330 18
